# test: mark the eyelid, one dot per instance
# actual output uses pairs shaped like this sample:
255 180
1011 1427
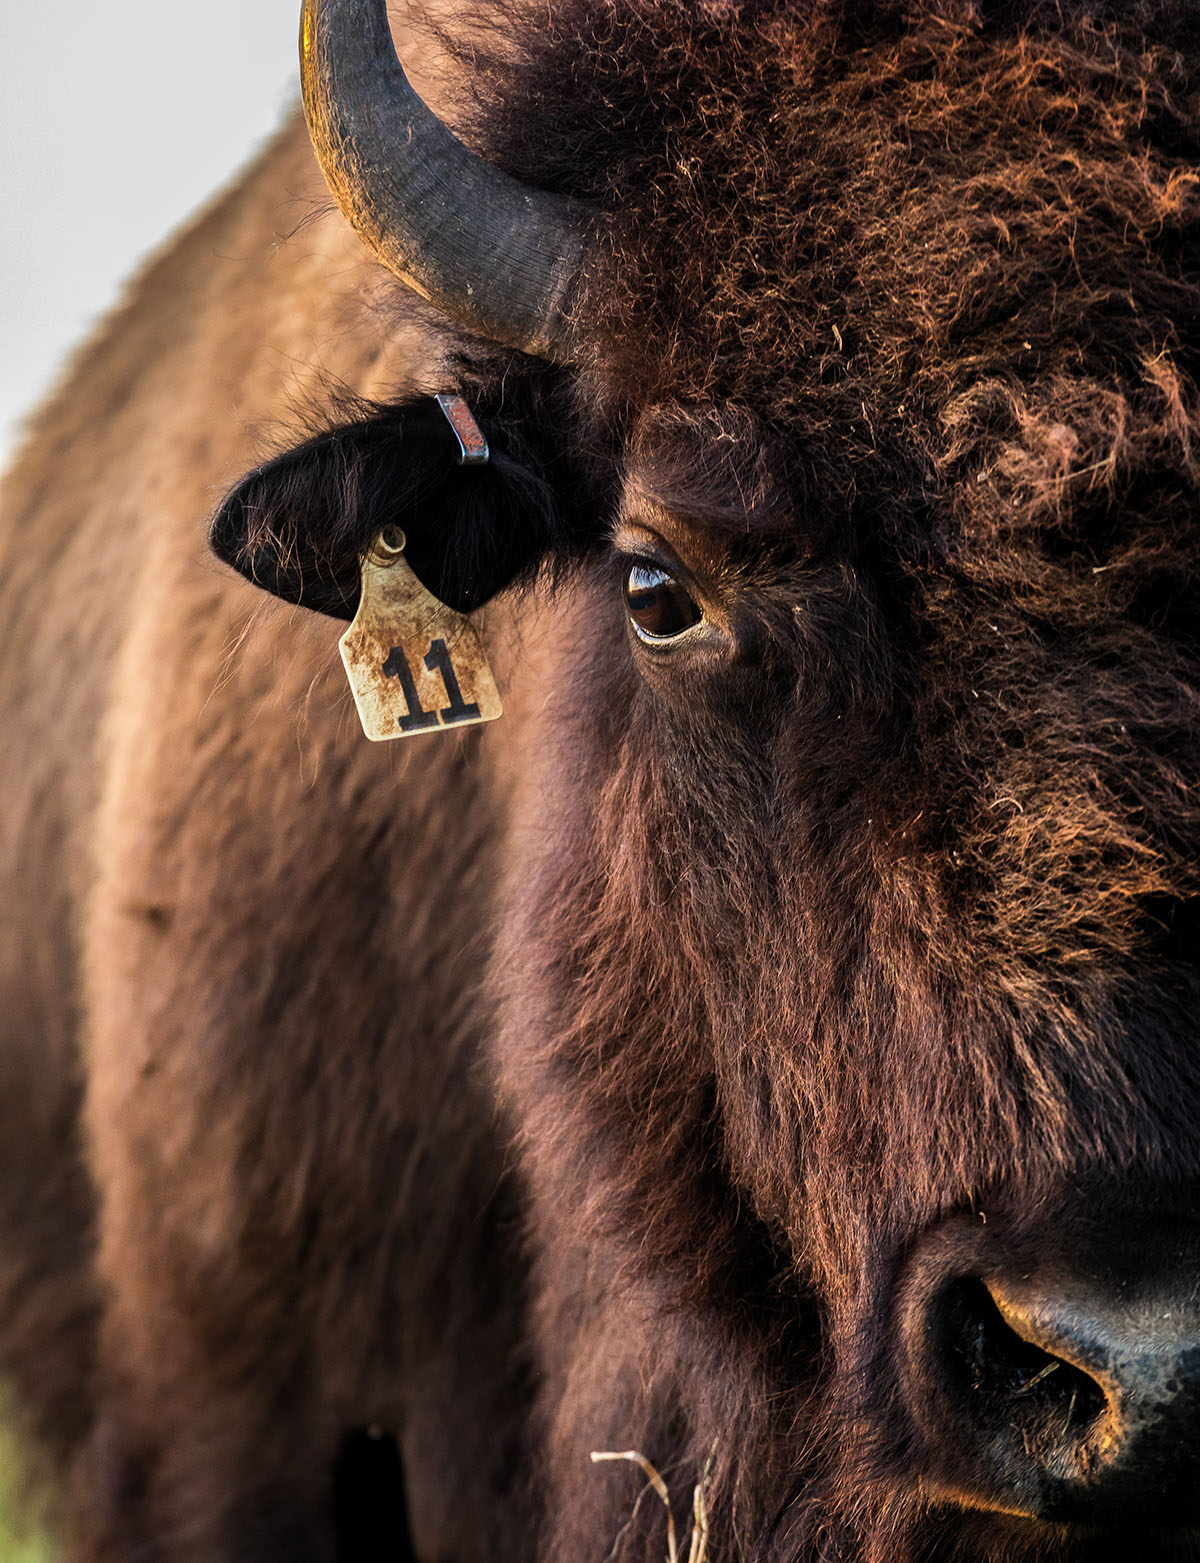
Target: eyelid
640 541
663 642
633 542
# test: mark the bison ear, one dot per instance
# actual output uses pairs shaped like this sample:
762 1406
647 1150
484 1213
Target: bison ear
298 525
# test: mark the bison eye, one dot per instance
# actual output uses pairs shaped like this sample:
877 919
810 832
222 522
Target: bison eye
659 608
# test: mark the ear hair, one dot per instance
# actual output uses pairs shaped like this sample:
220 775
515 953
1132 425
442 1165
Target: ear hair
298 525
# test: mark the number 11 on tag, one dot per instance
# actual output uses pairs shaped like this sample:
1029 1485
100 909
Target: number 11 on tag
437 660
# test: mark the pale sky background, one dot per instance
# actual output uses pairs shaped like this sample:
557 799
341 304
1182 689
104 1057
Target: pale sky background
116 121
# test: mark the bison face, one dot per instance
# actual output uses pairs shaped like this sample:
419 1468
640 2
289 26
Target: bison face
851 1005
846 975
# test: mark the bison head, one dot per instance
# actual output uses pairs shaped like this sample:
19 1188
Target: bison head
847 968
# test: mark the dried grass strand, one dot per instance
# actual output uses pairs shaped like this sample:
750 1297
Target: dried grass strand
698 1548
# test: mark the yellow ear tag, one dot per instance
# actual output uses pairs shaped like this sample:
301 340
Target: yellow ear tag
415 665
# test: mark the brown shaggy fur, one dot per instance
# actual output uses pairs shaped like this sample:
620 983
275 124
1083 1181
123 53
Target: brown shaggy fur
876 914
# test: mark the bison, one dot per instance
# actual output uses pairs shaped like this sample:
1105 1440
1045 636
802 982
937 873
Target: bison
771 1048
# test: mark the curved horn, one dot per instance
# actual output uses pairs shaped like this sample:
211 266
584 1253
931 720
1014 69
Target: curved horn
495 255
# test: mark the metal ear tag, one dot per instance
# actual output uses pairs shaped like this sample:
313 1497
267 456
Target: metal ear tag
472 442
415 665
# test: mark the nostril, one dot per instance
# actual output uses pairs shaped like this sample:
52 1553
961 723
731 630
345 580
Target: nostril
1065 1389
1006 1384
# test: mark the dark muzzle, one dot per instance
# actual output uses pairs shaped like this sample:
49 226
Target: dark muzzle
1057 1378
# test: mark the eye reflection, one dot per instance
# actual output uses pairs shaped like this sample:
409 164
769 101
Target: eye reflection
659 608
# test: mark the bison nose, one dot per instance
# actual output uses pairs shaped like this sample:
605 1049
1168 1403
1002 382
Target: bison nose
1063 1395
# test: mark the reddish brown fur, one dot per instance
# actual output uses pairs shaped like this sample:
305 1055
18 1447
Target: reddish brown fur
774 960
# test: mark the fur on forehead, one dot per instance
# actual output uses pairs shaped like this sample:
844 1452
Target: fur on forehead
714 466
847 217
